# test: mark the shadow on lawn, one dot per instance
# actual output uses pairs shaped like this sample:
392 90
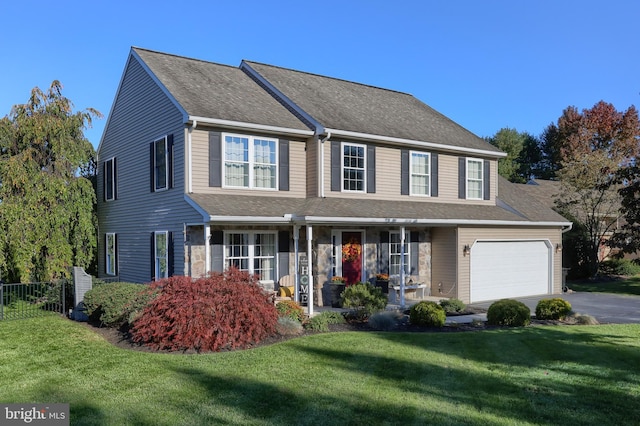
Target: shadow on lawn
550 387
608 284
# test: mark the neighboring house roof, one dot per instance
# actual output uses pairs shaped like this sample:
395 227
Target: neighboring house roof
545 191
359 108
237 207
535 203
209 90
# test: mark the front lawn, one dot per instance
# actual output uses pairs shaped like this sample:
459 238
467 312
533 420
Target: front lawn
587 375
629 285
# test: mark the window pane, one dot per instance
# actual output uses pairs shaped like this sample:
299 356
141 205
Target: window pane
474 179
420 173
161 255
236 148
109 179
111 254
395 247
474 189
474 170
161 163
353 168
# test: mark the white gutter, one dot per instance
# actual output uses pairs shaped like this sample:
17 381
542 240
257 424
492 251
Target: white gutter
252 126
251 219
421 144
568 227
322 141
189 159
449 222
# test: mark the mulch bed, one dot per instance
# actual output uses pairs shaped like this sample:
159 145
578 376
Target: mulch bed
122 338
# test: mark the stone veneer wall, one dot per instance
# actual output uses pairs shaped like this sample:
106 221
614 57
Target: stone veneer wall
194 251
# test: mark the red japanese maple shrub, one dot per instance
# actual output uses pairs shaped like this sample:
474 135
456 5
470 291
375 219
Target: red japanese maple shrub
222 311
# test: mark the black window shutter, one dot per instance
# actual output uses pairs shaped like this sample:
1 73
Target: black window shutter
404 172
462 177
414 248
115 179
104 181
486 180
284 165
284 241
434 175
215 160
170 256
217 255
336 178
170 160
115 249
383 262
153 256
371 169
152 166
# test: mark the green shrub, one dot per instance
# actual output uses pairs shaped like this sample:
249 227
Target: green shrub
290 309
221 311
288 326
321 321
112 304
452 305
386 320
552 309
511 313
620 267
364 298
428 314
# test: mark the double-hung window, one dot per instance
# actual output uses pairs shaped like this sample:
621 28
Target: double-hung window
353 167
475 184
395 253
250 162
109 177
110 252
420 173
161 254
253 252
160 164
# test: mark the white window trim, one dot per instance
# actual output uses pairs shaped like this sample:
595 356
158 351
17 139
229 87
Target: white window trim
251 250
164 139
428 155
110 164
467 178
155 253
109 235
407 253
251 162
364 170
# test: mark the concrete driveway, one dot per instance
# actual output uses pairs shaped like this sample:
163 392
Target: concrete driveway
606 308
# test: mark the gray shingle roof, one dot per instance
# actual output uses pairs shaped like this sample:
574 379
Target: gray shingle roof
210 90
344 105
277 207
533 203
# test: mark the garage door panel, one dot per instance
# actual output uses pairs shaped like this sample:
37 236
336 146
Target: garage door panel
508 269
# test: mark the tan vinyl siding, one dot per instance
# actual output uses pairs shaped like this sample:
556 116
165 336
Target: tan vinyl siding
468 235
313 154
443 262
141 113
200 166
388 178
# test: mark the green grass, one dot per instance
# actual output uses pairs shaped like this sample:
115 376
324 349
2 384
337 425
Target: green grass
629 285
586 375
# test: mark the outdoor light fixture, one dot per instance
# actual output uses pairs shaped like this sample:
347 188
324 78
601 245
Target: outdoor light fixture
558 248
466 250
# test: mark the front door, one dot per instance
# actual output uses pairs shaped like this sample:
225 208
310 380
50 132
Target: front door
352 256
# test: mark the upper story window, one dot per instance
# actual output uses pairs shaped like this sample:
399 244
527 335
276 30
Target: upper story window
353 167
420 173
253 252
109 176
160 164
250 162
475 182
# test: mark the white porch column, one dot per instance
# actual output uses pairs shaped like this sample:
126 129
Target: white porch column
207 249
402 277
310 268
296 267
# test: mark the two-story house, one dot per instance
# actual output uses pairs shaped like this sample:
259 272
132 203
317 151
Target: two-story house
204 166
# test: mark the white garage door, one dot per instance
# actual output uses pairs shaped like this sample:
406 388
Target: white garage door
509 269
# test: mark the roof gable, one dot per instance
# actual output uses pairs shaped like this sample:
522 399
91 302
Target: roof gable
209 90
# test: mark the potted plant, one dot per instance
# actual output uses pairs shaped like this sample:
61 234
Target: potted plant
337 287
382 281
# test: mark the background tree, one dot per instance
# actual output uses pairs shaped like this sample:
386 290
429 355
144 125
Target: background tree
628 236
593 147
523 154
47 210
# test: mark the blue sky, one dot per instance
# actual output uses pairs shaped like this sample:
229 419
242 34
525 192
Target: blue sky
485 64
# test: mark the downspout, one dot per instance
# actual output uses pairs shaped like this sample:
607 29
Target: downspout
189 161
322 141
